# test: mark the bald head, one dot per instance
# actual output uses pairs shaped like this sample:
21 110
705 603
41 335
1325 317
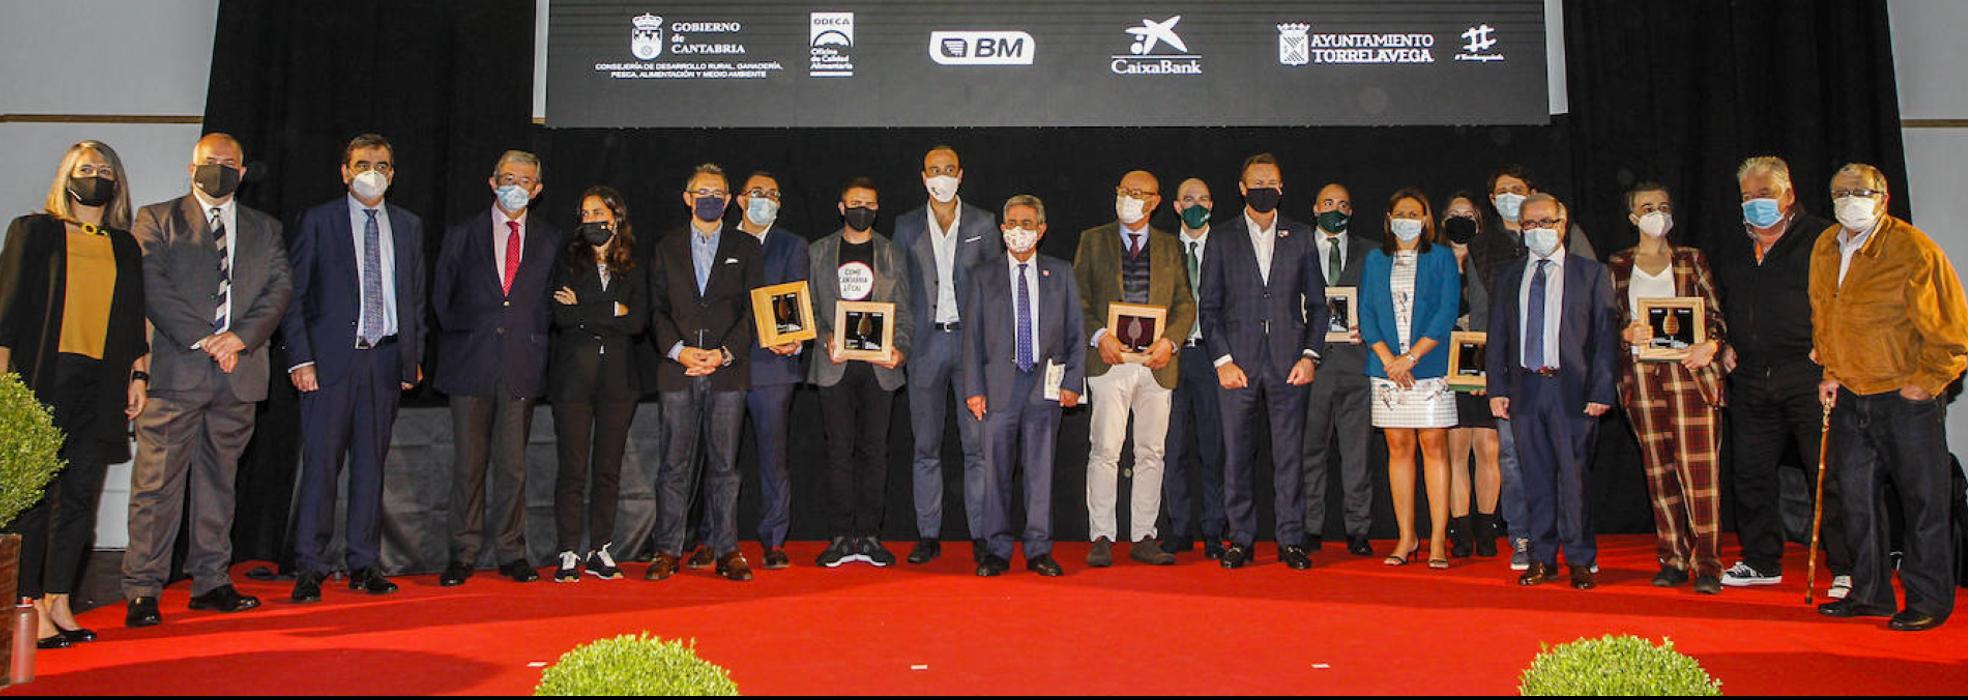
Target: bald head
1140 186
224 162
219 148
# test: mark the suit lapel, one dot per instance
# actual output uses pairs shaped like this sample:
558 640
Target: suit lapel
1162 263
345 242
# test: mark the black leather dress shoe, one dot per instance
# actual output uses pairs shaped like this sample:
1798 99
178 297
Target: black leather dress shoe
1313 543
1583 578
78 635
702 560
224 599
1851 608
454 574
1212 549
1539 572
370 581
1910 621
307 587
1669 577
1178 545
926 551
142 612
519 571
1295 557
54 642
1235 557
992 566
1044 565
1358 546
979 549
776 559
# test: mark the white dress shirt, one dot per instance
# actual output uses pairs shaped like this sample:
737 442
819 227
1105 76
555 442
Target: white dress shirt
1554 303
1849 245
944 244
1265 241
228 215
1200 239
499 233
1032 288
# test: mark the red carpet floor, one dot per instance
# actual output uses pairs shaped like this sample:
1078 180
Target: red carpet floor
1350 625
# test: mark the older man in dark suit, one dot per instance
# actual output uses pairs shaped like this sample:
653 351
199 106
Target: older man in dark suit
355 336
217 284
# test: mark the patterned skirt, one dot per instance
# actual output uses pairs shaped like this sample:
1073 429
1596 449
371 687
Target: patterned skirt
1430 404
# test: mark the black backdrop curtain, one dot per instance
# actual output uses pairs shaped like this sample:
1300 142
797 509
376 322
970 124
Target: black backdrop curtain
1677 92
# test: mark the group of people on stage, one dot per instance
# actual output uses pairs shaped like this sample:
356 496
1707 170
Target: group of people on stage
164 317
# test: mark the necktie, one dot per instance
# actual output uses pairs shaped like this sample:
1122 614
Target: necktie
223 298
1134 245
1195 275
372 279
1335 261
1024 358
512 255
1534 319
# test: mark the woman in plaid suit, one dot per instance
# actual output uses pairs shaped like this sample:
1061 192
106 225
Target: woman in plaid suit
1673 406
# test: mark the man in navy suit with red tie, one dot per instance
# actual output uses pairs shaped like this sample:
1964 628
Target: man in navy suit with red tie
355 336
492 297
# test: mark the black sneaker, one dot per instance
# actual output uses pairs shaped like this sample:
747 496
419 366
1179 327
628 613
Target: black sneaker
926 551
872 551
1742 574
836 553
1670 577
602 566
570 568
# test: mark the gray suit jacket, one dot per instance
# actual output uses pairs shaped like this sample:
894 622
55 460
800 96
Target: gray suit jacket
891 285
1345 361
978 239
181 277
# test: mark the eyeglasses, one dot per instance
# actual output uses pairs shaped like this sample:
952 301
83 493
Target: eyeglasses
707 192
511 179
1027 224
762 192
366 166
87 170
1136 193
1861 192
1540 223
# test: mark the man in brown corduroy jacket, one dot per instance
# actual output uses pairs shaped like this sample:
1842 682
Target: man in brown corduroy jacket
1891 329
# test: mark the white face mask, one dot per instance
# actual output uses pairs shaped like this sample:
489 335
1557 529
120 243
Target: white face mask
1407 230
1020 240
942 188
1542 241
1857 213
1508 205
761 211
1656 223
369 184
1130 210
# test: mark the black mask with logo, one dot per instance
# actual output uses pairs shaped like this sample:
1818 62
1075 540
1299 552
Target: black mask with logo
596 233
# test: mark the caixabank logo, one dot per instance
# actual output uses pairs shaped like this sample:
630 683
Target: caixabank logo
1155 49
982 47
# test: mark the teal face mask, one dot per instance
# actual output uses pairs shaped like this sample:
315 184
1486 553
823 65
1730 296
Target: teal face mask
1196 216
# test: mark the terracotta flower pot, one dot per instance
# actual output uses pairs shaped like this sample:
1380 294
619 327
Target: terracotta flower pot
9 583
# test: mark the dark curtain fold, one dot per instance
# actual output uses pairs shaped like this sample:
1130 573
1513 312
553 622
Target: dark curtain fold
1672 91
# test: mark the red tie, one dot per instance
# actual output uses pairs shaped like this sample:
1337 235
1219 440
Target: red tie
512 255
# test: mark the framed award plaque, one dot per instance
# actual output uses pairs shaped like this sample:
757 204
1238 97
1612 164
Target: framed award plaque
1678 323
1137 327
783 313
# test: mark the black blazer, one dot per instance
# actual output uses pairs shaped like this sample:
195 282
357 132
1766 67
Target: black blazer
720 317
488 335
593 348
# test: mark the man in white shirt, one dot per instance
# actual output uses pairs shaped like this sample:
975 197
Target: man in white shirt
1195 425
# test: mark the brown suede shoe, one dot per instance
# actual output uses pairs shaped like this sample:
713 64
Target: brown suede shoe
1148 551
733 566
662 567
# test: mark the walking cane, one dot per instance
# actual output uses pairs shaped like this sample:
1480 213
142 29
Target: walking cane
1817 509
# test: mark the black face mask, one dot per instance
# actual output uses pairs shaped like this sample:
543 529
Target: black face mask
92 191
216 180
596 233
860 218
1262 199
1460 229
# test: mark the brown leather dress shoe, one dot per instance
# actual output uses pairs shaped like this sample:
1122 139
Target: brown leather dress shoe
1538 573
662 567
702 559
1147 551
733 566
1583 579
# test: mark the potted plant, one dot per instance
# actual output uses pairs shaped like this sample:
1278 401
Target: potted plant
29 457
1616 665
635 665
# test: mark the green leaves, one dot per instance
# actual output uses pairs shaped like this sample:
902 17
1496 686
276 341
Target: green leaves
29 445
1616 665
635 665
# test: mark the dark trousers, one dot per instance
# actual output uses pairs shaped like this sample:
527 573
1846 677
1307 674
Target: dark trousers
188 447
856 414
59 531
1020 437
1887 438
348 420
771 410
1554 446
1284 406
1194 451
591 437
1769 409
696 420
1337 412
489 429
934 386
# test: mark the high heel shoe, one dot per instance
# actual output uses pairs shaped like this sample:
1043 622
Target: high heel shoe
77 635
56 642
1402 559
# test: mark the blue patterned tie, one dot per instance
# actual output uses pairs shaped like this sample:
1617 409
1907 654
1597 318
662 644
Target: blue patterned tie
372 279
1024 358
222 307
1534 320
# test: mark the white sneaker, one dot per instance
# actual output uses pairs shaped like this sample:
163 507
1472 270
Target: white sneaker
1742 574
570 568
1841 586
1520 555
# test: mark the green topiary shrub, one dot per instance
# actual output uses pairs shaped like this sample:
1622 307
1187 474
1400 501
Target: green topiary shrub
1616 665
29 445
635 665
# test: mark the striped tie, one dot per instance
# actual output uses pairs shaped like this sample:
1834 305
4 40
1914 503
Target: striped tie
223 298
372 279
1024 339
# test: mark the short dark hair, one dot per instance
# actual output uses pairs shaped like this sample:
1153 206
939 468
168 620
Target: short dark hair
858 182
1259 159
366 141
1516 170
761 173
1633 192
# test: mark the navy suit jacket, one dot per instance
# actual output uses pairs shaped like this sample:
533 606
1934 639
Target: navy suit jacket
321 323
1588 344
487 335
785 261
1237 305
978 239
990 341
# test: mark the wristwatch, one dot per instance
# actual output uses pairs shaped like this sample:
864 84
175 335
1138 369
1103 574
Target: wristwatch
140 376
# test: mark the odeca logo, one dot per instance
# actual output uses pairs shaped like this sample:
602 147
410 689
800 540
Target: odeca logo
646 37
830 44
1156 49
982 48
